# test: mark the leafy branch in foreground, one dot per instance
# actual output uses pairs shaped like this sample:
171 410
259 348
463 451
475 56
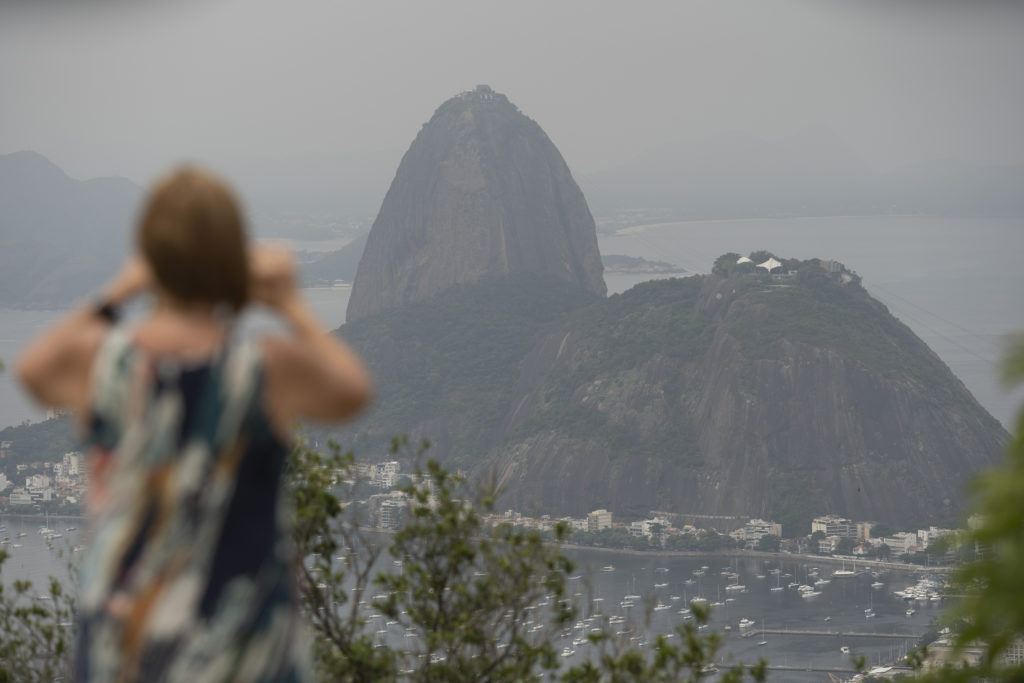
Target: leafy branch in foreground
35 630
339 557
485 603
461 600
988 624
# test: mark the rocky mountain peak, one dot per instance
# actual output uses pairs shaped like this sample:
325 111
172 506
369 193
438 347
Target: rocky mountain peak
482 191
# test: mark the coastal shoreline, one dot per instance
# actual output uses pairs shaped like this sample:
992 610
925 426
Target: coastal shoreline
818 559
41 515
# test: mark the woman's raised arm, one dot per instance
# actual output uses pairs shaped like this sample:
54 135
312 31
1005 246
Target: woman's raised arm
310 373
56 366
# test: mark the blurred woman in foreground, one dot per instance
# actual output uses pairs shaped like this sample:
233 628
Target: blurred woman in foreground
187 576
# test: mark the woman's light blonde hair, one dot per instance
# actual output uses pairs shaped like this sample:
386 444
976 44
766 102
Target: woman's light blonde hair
193 238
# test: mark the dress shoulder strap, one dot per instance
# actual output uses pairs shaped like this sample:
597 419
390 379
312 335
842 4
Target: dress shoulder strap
110 386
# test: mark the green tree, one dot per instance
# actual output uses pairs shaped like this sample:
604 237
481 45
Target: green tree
325 528
725 263
682 542
769 543
845 546
35 633
881 530
884 552
471 592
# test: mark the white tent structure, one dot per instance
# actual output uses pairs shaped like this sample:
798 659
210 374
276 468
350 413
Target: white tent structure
743 259
770 265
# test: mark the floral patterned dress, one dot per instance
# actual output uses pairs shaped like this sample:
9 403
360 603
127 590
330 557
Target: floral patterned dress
187 576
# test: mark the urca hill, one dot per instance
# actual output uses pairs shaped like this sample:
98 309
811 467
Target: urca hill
778 394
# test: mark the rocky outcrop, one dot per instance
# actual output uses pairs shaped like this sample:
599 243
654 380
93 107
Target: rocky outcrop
780 425
711 395
482 191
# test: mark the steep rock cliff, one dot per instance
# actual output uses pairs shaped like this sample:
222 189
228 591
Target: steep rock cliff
482 191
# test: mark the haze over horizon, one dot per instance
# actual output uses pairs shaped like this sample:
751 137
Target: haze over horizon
311 108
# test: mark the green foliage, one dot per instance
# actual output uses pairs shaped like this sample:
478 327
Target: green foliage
37 442
323 527
990 618
882 530
35 630
707 541
845 546
687 657
481 603
473 593
725 264
793 503
769 543
611 538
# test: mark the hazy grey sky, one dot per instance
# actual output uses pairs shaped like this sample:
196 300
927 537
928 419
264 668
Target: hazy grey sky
312 103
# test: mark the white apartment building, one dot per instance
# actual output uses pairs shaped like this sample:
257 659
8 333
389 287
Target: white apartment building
925 537
599 519
900 542
834 525
20 496
391 513
756 529
37 482
72 464
387 474
647 527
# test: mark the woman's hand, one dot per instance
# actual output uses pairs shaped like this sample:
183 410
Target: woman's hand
132 279
272 276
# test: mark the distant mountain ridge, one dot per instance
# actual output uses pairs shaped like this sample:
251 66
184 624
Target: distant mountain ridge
61 237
